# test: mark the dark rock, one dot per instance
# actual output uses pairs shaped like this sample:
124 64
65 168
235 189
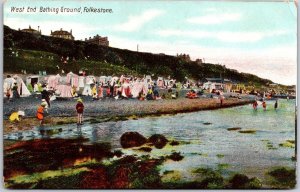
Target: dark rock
146 149
248 131
132 139
207 123
127 160
284 177
175 156
158 140
118 153
238 181
174 143
234 128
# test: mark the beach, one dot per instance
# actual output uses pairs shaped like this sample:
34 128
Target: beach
62 111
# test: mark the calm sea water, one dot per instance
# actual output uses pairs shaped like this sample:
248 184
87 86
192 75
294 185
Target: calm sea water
209 146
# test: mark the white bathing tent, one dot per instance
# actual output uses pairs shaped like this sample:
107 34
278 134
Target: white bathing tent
138 87
102 80
8 84
81 81
33 79
53 81
87 86
148 79
22 88
160 82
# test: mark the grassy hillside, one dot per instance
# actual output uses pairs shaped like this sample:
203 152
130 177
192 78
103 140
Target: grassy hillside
34 52
35 61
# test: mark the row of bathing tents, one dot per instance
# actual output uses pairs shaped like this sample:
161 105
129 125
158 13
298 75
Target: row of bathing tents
63 85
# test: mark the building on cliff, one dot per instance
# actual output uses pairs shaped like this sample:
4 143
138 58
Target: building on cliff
98 40
62 34
32 31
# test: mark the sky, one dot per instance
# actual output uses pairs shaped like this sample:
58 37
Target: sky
252 37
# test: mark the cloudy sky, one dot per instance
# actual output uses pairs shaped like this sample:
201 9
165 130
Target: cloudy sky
252 37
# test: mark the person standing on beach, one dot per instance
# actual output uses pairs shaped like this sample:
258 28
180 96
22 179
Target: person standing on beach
46 95
276 105
221 97
79 109
15 91
255 105
8 93
264 105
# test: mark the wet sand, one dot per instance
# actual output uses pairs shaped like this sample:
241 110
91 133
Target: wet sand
63 111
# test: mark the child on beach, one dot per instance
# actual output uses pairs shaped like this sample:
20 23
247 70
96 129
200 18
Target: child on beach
16 116
79 109
41 112
94 92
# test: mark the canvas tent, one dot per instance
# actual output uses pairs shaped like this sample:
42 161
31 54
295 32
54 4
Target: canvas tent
64 91
89 80
33 79
160 82
81 80
53 81
73 80
22 88
137 88
8 84
148 79
102 79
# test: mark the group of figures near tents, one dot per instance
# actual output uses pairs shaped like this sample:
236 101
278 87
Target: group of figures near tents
73 85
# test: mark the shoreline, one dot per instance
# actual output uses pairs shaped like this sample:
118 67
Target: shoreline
62 112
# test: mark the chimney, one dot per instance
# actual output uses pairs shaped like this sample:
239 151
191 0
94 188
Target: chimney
60 29
71 31
19 29
38 28
85 39
29 27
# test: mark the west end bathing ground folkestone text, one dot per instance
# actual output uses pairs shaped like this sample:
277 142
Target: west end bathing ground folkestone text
57 10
